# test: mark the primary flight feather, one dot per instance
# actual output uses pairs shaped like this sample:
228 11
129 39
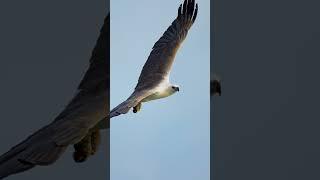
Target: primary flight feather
154 82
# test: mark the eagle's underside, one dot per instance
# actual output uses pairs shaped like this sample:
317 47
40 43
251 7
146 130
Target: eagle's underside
157 95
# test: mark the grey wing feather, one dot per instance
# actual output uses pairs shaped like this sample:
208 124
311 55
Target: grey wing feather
35 150
160 60
132 101
87 108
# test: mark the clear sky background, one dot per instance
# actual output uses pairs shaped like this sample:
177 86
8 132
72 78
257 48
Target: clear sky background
169 138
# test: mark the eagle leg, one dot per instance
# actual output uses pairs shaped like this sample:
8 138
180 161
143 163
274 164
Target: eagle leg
87 146
137 108
82 149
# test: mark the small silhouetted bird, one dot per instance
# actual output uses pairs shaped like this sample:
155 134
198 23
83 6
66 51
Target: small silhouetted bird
215 87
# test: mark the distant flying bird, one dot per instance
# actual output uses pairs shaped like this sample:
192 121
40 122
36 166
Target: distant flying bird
215 86
78 124
154 82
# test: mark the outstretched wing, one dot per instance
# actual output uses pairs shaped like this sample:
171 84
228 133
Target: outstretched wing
161 58
87 108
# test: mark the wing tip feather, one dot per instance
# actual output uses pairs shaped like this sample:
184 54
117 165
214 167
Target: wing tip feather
188 9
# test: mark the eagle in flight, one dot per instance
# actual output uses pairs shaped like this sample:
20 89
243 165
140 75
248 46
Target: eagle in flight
78 124
154 81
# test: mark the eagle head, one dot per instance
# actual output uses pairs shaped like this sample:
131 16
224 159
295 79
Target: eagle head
175 88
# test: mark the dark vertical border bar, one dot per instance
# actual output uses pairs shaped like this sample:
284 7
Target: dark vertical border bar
216 64
266 123
45 52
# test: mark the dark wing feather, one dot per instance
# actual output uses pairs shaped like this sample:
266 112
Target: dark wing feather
98 72
161 58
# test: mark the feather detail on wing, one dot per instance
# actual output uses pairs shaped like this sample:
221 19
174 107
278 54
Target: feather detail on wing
131 102
161 58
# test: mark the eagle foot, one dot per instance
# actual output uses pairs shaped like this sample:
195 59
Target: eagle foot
87 146
137 108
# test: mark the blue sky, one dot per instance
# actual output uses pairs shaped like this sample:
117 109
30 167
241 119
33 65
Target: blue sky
169 138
